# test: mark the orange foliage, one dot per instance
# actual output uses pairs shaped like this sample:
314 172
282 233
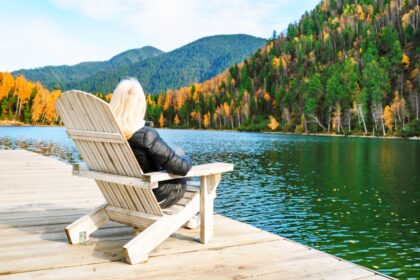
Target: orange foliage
50 112
360 13
405 61
23 88
161 120
226 109
150 101
176 120
325 35
168 102
108 97
276 62
274 124
159 101
39 102
206 120
192 114
6 84
179 101
267 97
388 117
340 55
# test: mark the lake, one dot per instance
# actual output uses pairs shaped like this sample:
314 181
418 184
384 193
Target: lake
356 198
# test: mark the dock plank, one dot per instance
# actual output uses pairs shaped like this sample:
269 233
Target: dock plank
39 197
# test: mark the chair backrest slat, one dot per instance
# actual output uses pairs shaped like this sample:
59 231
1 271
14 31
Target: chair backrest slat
95 132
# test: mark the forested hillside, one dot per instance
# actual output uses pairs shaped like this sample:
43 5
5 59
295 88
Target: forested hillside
58 77
157 71
348 66
196 62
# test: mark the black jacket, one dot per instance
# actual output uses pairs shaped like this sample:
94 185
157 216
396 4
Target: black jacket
153 154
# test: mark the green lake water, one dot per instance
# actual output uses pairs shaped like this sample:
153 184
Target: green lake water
356 198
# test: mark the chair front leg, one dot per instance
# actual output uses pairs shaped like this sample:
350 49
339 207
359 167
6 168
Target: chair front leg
208 185
79 231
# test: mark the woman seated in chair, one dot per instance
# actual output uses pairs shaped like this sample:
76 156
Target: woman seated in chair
128 105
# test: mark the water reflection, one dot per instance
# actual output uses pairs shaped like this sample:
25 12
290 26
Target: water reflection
354 198
49 141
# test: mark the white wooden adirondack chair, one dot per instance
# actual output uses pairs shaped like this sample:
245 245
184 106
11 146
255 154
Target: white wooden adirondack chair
126 189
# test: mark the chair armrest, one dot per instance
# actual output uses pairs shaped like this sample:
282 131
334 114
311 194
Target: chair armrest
195 171
82 170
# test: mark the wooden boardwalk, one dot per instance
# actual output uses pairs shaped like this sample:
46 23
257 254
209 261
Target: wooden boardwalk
39 197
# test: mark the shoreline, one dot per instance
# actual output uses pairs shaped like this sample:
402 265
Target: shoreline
302 134
6 123
21 124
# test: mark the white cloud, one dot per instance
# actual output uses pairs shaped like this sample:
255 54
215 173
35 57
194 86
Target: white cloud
35 42
71 31
171 24
101 10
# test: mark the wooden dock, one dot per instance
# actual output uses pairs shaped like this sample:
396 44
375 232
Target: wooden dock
39 197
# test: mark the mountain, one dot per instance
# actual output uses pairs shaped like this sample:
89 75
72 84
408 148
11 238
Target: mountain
346 67
156 71
54 77
194 62
134 55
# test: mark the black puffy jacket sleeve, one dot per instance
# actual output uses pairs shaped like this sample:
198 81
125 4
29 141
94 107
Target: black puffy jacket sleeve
164 155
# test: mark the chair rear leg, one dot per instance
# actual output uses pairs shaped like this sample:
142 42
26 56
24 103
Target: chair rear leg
80 230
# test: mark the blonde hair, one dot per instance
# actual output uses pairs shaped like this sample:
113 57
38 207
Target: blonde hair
128 104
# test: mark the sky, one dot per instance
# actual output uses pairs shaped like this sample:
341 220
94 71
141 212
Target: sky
56 32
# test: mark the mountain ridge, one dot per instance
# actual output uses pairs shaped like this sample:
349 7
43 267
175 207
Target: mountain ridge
52 76
156 70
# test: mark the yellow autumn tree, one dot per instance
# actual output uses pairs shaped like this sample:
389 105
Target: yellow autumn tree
176 120
161 119
160 100
405 19
192 114
388 117
179 101
267 97
405 61
150 101
226 109
206 120
108 97
6 84
39 103
50 113
340 55
276 62
360 12
23 90
168 102
274 124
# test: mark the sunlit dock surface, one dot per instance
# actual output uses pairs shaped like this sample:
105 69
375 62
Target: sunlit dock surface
39 197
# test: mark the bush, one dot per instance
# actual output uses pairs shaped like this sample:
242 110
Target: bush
411 129
299 129
259 125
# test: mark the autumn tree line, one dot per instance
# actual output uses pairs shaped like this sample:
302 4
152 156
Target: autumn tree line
28 102
349 66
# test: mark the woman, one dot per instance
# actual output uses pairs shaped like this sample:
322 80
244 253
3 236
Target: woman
128 105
